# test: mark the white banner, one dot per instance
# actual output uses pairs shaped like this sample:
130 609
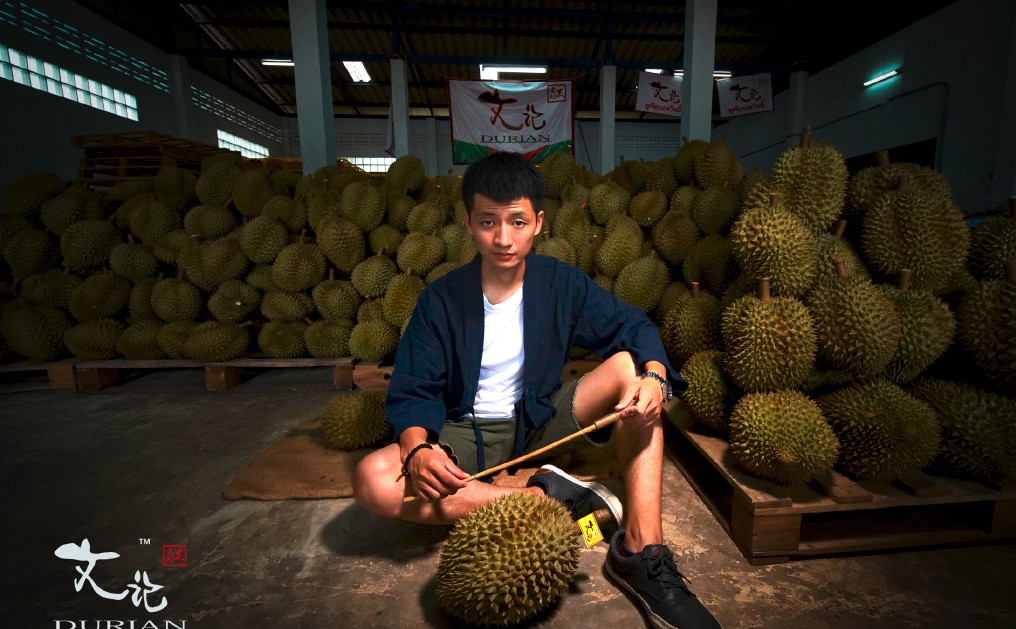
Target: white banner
745 95
534 118
659 94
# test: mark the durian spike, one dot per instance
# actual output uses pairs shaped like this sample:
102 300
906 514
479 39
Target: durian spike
1010 271
882 158
841 267
905 276
841 228
806 137
763 289
694 290
904 183
602 422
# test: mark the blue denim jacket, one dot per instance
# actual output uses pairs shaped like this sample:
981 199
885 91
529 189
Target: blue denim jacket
437 364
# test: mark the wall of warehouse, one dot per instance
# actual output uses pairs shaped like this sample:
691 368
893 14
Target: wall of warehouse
172 99
957 85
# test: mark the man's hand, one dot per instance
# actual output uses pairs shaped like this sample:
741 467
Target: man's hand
642 400
433 475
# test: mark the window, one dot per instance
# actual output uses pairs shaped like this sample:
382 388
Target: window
31 20
371 164
246 147
26 70
224 110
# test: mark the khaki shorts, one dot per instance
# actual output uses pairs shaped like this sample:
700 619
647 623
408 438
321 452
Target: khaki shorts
459 437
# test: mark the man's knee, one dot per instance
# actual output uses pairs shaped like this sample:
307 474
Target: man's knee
375 469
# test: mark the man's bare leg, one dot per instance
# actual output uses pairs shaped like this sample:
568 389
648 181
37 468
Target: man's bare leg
375 488
639 448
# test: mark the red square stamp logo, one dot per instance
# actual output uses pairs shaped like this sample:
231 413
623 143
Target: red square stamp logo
174 555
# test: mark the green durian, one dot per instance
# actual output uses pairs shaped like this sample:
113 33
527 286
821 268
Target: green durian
355 420
508 560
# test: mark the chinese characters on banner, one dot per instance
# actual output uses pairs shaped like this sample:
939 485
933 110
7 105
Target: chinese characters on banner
745 95
659 94
535 118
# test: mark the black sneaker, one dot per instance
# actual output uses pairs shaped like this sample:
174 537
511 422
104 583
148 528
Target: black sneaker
655 581
581 498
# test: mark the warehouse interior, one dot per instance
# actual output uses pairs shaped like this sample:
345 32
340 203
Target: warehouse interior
137 462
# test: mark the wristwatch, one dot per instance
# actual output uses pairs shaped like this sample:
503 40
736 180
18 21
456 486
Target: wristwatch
668 391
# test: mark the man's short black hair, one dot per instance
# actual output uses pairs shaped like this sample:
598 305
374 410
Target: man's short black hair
503 178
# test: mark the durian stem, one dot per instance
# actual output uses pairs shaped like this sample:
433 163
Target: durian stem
882 158
763 289
694 290
602 422
806 137
307 320
303 234
130 239
904 183
905 276
1012 208
331 274
841 228
1010 271
841 267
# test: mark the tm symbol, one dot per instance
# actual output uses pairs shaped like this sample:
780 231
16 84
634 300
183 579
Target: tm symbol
145 540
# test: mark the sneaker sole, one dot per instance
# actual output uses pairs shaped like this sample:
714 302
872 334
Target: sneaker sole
612 502
654 620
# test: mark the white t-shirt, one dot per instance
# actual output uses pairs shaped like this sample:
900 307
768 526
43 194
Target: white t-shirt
500 383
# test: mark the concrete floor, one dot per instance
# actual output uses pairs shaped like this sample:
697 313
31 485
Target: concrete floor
149 458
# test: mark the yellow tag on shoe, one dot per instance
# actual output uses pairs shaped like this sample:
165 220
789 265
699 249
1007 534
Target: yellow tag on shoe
590 530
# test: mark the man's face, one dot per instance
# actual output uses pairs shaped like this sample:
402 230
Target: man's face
503 233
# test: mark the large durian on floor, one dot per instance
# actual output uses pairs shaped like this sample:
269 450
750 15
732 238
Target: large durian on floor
811 178
35 332
884 432
978 437
770 342
508 560
928 329
782 436
355 420
910 228
857 326
771 241
987 329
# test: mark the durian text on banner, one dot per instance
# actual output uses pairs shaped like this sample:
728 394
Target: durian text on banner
659 94
745 95
535 118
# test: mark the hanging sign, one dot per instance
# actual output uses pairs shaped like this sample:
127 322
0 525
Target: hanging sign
659 94
745 95
535 118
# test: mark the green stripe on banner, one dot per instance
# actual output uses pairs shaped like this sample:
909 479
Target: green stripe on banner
467 153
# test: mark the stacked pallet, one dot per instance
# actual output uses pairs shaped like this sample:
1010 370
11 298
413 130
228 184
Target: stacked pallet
112 158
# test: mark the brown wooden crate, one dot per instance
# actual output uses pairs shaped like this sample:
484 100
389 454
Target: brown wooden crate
770 523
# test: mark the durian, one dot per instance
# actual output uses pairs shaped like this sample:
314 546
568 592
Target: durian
508 560
355 420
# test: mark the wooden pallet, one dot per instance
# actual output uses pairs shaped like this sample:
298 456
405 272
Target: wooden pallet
96 375
60 373
833 515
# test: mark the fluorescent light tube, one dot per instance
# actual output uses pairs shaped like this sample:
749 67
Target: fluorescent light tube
882 77
277 62
356 71
491 72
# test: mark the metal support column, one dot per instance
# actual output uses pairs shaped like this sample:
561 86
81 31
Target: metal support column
315 111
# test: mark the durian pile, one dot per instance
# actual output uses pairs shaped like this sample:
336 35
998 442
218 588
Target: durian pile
235 259
795 302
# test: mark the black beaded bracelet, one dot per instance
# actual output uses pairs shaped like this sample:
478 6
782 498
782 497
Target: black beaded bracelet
405 464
